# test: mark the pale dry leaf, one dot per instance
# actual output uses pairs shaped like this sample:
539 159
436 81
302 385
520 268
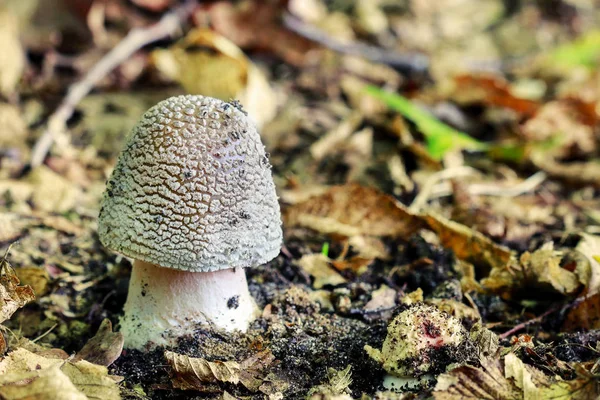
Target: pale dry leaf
207 63
197 373
92 380
21 360
319 267
14 128
12 62
104 348
471 383
12 227
12 296
46 384
52 192
468 244
589 246
381 299
352 210
335 138
541 269
190 373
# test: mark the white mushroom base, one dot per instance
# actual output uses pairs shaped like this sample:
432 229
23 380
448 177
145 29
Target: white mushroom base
165 303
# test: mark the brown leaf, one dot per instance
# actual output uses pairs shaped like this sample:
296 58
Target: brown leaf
467 382
12 296
35 277
199 374
319 267
468 244
193 373
104 348
351 210
494 91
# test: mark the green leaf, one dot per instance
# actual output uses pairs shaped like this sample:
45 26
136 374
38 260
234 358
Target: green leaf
440 137
584 51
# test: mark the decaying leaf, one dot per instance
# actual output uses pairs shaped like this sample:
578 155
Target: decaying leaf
351 210
190 373
319 267
337 384
13 59
589 246
37 278
12 296
511 379
52 192
541 269
104 348
467 244
92 380
487 382
45 384
207 63
21 370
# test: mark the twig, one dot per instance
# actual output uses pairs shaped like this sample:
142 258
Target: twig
525 324
169 25
409 63
45 333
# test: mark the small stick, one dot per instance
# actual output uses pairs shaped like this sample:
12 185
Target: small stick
168 26
523 325
409 63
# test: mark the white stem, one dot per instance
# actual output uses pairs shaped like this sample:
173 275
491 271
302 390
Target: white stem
165 303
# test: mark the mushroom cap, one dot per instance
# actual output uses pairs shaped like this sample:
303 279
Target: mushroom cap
192 190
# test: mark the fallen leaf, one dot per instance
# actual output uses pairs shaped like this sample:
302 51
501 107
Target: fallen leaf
12 296
485 383
89 379
337 384
190 373
352 210
13 59
52 192
494 91
383 298
104 348
468 244
206 63
589 246
541 269
92 380
37 278
319 267
45 384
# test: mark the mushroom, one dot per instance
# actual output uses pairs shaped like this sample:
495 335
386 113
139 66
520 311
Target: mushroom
193 202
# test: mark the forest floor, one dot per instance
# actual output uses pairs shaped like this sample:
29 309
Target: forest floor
427 155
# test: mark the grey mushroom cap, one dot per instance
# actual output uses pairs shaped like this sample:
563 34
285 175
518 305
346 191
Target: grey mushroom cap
192 190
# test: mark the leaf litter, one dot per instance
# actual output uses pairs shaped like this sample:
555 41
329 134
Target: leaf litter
456 168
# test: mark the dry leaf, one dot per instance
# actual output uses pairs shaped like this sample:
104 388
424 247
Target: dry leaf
12 296
467 244
337 384
542 270
104 348
471 383
383 298
35 277
207 63
45 384
91 380
52 192
351 210
12 62
199 374
11 227
319 267
589 246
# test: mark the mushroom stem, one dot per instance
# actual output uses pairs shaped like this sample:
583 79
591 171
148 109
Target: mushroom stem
166 303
